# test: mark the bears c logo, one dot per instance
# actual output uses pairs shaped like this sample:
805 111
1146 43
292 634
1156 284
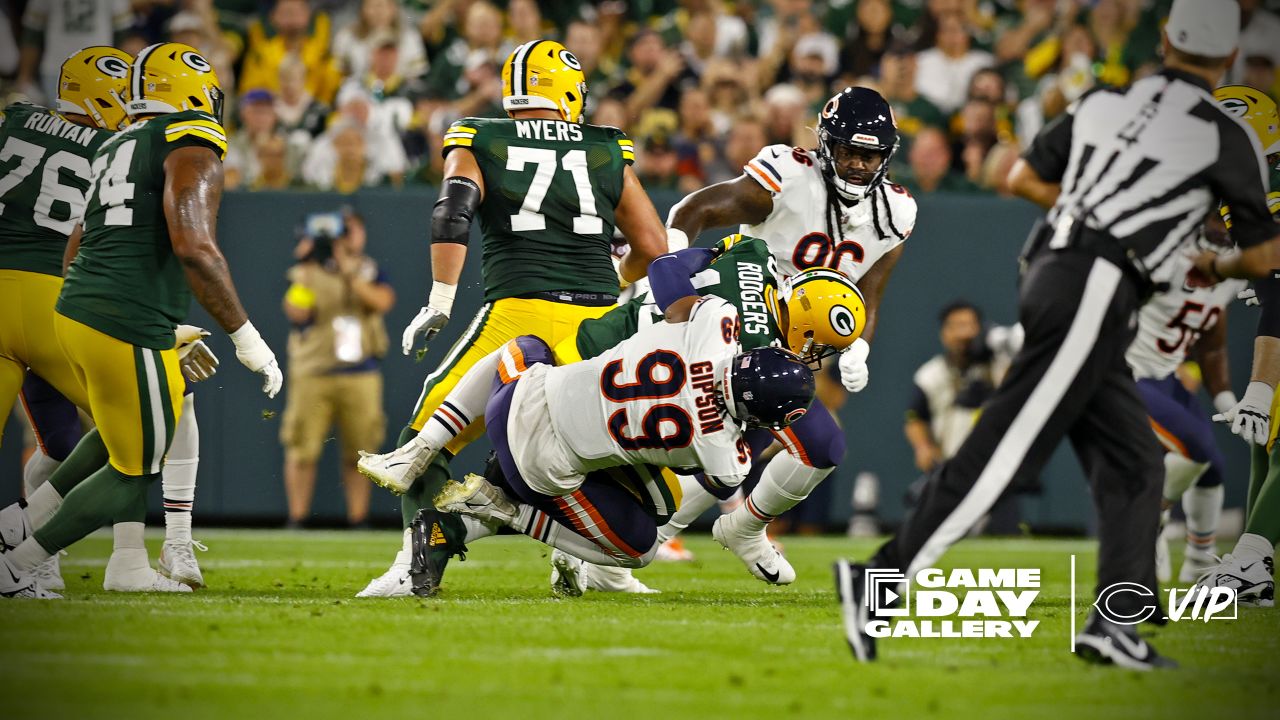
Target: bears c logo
830 108
112 66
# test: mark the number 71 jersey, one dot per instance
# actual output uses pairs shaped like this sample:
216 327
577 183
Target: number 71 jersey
550 190
652 399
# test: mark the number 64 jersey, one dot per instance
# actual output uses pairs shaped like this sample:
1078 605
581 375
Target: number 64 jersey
649 400
797 230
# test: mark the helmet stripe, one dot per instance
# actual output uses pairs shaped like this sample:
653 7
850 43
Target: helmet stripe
139 70
517 67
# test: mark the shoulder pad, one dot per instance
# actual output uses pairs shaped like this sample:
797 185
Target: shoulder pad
775 165
462 132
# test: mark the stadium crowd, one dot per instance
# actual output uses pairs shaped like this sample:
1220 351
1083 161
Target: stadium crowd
343 94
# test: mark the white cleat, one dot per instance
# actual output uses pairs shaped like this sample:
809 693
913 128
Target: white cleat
1251 579
477 497
601 578
397 469
137 579
178 562
14 527
754 550
566 574
20 585
392 583
49 573
1195 563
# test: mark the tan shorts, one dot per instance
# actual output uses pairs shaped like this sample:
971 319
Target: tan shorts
315 404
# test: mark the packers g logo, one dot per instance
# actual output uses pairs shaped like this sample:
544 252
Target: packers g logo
112 66
195 62
1236 106
568 58
842 322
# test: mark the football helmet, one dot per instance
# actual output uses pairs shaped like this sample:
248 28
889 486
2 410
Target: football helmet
1257 110
171 77
92 82
820 312
544 74
856 118
767 387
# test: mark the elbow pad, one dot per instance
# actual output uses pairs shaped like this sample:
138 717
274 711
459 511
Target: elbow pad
451 217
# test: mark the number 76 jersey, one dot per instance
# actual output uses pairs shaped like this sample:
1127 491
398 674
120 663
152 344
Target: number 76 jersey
652 399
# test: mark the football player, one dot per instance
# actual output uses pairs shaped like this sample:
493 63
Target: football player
1250 566
830 207
148 244
676 394
549 190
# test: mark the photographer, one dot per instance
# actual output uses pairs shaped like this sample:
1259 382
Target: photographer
336 302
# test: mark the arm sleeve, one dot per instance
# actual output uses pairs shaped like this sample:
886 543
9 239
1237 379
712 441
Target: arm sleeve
1239 179
1051 149
919 407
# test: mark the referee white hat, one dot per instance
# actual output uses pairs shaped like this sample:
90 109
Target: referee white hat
1210 28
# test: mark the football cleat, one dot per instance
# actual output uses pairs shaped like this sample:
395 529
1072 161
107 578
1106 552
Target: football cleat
397 469
435 537
852 592
145 580
14 526
754 550
1107 643
16 584
178 562
566 574
477 497
674 550
601 578
49 573
1252 580
1195 562
392 583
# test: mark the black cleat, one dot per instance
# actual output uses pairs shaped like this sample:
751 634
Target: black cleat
436 537
852 591
1107 643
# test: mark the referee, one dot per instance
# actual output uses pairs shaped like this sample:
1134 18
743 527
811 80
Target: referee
1130 177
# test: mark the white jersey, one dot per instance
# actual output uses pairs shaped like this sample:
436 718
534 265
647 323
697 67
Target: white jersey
649 400
797 229
1171 321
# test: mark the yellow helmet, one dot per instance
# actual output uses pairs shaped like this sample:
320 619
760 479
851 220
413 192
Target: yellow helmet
172 77
823 313
543 74
1256 109
92 82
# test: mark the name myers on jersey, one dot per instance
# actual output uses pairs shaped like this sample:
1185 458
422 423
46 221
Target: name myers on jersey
755 314
57 127
703 381
548 130
989 594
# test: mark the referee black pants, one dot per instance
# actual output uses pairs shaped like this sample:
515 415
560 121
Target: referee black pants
1070 379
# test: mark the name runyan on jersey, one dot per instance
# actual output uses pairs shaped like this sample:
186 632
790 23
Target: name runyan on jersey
1172 321
797 229
652 399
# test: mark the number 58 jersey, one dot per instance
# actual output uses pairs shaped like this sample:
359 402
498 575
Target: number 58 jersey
649 400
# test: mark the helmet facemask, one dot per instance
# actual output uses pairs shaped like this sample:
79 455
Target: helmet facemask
830 152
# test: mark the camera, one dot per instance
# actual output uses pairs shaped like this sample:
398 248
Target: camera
322 229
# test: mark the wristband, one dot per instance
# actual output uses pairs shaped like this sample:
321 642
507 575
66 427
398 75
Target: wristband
441 297
676 239
246 335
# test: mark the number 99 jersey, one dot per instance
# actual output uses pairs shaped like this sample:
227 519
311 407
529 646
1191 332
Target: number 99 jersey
797 228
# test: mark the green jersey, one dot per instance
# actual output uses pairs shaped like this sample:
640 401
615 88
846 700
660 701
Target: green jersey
745 276
126 281
550 192
44 172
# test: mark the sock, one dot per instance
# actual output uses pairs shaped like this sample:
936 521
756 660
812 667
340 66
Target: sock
541 527
463 405
477 528
405 556
423 491
1180 473
128 550
1253 546
88 458
695 500
178 479
784 484
37 471
1203 507
42 504
105 497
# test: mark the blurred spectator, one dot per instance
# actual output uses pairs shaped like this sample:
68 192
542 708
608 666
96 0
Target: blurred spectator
994 174
483 78
611 112
1071 77
1110 23
53 29
296 107
868 37
336 302
930 165
8 51
898 86
699 45
745 140
273 168
1024 30
358 150
977 123
725 85
944 70
525 20
658 166
292 28
814 61
1260 72
479 41
695 139
786 112
354 44
384 84
586 42
652 79
198 27
1259 38
259 122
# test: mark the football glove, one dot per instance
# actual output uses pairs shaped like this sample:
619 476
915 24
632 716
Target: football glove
427 323
854 373
1249 296
194 357
254 353
1251 417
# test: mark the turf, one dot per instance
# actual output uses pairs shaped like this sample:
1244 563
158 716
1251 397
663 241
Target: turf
278 632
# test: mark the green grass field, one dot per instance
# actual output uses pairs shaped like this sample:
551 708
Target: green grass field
279 634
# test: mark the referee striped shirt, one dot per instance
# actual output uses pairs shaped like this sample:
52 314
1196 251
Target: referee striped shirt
1146 165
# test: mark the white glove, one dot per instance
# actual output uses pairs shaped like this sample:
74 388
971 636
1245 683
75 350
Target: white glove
252 352
854 373
432 318
194 357
1249 296
1251 417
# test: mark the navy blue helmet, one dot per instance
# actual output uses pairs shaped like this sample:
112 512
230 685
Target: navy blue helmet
856 119
768 387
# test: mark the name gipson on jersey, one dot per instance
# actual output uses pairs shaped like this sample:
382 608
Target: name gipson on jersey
703 381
